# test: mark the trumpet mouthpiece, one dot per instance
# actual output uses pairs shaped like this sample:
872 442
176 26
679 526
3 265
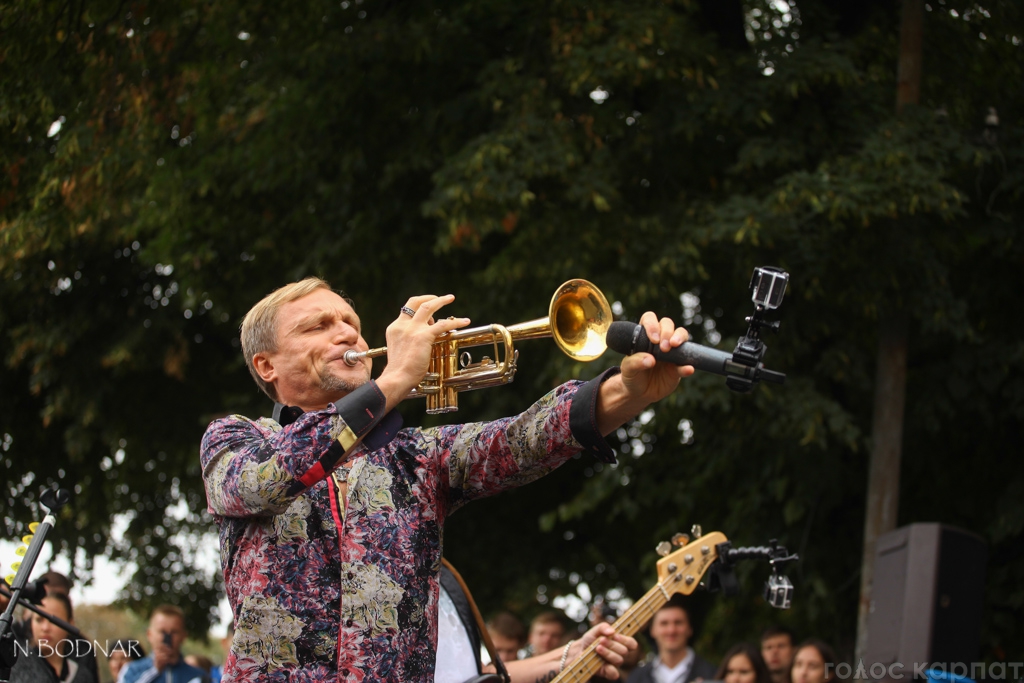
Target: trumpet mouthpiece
352 357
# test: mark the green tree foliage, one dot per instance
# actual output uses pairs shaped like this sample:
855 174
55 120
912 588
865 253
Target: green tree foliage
208 153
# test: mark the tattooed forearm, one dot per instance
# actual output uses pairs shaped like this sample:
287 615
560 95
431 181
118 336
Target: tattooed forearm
548 677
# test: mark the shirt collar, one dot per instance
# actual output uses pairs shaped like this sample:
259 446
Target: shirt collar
680 670
285 415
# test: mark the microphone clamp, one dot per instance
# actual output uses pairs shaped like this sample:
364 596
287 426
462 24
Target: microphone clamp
767 286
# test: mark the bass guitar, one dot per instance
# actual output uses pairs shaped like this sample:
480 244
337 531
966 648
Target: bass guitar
678 572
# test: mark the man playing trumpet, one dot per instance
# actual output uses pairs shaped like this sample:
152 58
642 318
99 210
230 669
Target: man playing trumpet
331 515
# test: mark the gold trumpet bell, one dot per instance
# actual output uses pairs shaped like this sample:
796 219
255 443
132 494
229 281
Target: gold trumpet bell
578 319
582 317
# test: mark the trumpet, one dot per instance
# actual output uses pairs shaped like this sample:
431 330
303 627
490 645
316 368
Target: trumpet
578 319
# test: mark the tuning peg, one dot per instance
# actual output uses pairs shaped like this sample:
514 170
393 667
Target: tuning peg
33 526
680 540
9 579
21 550
697 531
15 566
664 548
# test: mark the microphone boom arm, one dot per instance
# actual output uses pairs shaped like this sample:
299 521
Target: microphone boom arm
51 500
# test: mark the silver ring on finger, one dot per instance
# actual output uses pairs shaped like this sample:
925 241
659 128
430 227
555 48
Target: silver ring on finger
408 311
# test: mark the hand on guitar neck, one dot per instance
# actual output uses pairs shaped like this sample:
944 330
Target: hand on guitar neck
606 648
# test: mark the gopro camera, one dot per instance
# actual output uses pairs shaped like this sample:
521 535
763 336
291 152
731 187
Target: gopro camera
768 286
778 591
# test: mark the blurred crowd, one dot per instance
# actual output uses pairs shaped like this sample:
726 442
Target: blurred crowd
51 649
55 651
778 657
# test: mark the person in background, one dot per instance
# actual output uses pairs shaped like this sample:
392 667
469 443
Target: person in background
777 647
508 633
676 662
123 650
47 661
814 662
743 664
82 651
547 632
166 634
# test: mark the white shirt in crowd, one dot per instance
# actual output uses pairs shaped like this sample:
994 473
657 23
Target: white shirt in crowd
675 674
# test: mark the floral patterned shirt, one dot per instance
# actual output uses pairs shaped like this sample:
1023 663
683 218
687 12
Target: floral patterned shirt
324 589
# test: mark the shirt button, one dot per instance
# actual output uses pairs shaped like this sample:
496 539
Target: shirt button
348 623
351 575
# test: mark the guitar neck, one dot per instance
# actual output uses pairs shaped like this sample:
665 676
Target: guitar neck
679 572
632 620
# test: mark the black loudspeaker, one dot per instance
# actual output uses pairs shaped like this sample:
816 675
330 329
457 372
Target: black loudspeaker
926 598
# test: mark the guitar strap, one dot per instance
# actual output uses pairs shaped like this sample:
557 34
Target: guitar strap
481 627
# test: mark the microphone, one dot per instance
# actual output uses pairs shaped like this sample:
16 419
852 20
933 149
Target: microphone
628 338
53 499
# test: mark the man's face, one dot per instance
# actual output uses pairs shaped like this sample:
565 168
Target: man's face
313 333
506 648
166 632
777 652
671 629
546 636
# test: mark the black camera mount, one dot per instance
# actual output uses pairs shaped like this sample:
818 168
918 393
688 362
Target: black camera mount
778 590
767 286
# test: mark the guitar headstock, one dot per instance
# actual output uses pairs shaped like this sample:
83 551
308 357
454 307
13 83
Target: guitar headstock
681 571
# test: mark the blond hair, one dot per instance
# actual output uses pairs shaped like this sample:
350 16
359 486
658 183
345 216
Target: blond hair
259 327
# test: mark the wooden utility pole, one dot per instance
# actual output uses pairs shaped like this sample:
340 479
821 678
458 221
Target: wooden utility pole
891 379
